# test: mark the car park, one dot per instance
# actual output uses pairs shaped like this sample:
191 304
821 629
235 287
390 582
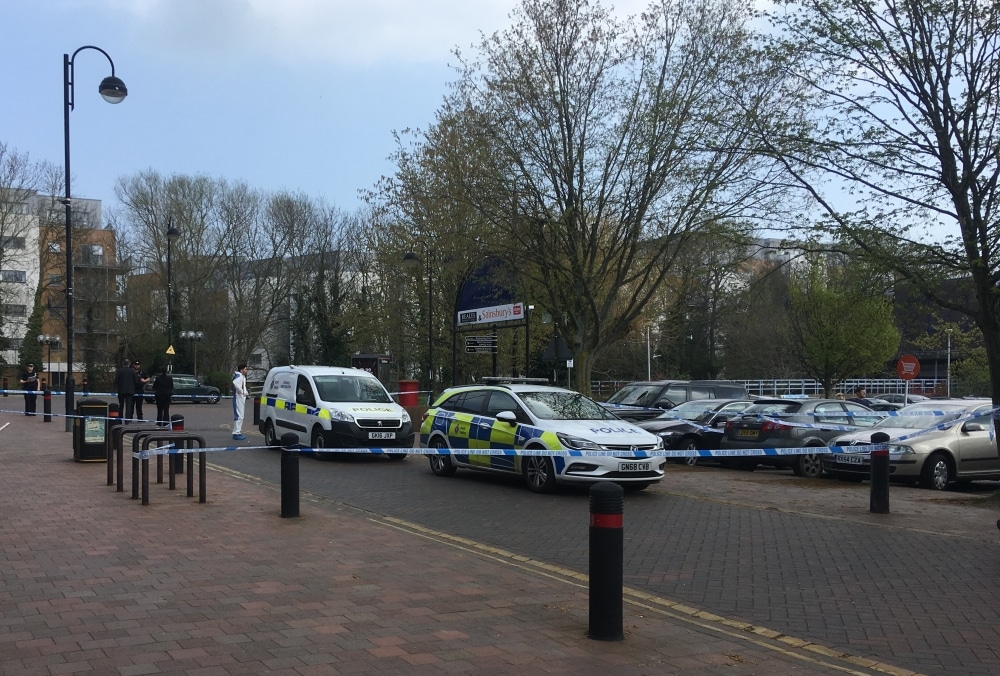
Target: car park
694 425
187 389
933 443
529 416
332 407
793 423
645 399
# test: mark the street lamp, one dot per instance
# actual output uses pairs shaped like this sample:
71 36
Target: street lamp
195 337
172 234
49 341
412 261
948 371
113 90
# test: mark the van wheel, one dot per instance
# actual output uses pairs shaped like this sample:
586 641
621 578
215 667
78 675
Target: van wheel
539 474
270 438
317 441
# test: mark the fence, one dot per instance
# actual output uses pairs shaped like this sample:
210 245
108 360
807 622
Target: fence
602 389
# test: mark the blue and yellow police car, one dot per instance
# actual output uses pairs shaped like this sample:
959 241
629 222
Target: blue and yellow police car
514 423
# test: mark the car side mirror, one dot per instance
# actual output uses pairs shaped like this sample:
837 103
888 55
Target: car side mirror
973 427
507 417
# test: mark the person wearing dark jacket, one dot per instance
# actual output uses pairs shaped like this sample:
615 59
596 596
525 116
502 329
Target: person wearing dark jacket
125 387
29 383
140 389
163 391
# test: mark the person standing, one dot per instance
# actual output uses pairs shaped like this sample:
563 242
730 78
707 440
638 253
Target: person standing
125 387
29 383
860 396
240 394
163 391
140 388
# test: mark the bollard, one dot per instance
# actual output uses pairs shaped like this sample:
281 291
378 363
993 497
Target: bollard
46 404
5 386
606 555
256 410
878 502
109 446
85 389
289 476
177 425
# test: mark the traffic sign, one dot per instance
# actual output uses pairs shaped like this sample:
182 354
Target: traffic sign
480 348
908 367
481 341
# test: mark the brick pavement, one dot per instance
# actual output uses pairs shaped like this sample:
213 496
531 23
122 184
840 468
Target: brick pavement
93 582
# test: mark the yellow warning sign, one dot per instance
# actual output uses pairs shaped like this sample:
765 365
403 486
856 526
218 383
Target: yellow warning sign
170 349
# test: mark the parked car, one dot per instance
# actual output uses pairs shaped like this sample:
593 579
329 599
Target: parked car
694 425
527 416
879 404
960 451
644 400
187 389
766 424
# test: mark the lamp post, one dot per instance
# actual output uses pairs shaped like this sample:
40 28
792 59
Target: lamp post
172 234
113 90
49 341
948 366
412 261
195 338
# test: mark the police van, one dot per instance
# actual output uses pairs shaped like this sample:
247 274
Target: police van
332 407
520 415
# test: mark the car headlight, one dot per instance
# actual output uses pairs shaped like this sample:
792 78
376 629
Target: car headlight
337 414
577 443
895 449
406 416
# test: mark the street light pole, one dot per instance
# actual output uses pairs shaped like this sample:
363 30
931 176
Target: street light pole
172 234
193 336
948 367
112 90
48 341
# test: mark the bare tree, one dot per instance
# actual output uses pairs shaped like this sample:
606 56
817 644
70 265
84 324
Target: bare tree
900 106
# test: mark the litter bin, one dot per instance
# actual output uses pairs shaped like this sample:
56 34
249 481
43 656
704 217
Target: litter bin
408 392
89 431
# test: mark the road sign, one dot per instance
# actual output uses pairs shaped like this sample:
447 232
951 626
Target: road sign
480 340
908 367
480 348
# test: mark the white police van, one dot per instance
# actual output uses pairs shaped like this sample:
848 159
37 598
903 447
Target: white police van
332 407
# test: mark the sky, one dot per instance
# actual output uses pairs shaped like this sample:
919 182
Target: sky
296 95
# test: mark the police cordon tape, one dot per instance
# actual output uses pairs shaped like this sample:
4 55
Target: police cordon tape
639 455
147 396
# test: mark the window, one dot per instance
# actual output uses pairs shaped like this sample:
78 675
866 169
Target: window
304 393
15 343
12 243
256 359
15 310
54 280
18 276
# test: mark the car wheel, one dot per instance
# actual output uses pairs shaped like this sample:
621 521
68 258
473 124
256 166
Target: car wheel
808 465
539 474
270 438
441 465
936 472
213 398
689 444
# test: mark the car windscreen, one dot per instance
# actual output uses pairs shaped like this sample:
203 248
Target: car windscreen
351 389
635 395
908 419
564 406
772 408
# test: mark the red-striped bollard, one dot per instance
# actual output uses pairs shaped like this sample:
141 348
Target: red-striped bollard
177 425
114 419
5 386
607 503
878 500
46 404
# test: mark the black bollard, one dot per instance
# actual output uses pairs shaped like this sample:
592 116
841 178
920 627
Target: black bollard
46 404
5 386
289 476
606 554
113 421
256 410
878 502
177 425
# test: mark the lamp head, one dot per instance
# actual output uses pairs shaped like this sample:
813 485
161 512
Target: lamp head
113 90
173 233
411 260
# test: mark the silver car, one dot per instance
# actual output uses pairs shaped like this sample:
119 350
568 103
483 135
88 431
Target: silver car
955 443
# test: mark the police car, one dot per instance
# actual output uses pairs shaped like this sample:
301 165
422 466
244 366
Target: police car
332 407
529 416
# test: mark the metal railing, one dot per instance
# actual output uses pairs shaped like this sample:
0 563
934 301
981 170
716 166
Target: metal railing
602 389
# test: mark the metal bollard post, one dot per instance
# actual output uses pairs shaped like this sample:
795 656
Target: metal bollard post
607 504
256 410
177 461
878 502
46 404
5 386
289 476
113 421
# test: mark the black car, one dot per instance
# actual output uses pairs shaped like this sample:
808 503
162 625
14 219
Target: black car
694 425
791 423
188 389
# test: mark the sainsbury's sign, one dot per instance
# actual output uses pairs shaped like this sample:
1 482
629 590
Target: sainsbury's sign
489 315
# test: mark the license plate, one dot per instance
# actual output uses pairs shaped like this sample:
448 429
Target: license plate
856 459
750 434
633 467
381 435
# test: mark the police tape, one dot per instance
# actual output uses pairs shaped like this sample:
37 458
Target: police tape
170 449
146 396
